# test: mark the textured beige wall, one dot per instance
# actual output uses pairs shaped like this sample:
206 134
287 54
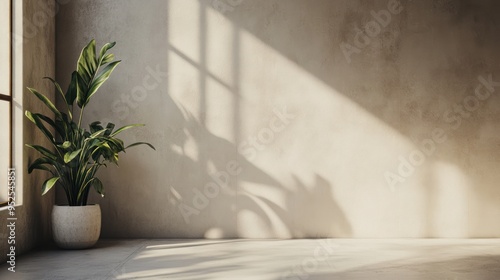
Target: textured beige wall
286 119
38 60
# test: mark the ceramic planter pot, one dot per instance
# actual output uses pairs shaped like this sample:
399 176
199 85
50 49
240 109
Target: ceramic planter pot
76 227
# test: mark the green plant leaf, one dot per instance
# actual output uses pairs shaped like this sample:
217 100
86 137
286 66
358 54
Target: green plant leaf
36 120
87 62
105 49
40 164
81 91
95 126
69 156
46 101
107 58
58 87
99 188
44 151
116 143
109 129
99 80
72 91
97 133
57 126
102 149
47 185
140 143
66 145
121 129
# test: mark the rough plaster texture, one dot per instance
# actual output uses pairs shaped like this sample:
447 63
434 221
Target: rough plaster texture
235 66
38 60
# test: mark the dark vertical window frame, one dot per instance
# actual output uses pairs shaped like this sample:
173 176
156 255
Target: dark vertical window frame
8 98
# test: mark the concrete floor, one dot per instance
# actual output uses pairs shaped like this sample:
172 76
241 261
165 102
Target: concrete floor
443 259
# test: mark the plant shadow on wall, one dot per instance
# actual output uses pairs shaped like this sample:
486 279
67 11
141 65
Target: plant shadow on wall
360 115
404 78
204 175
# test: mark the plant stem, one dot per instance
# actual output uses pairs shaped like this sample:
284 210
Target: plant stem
80 119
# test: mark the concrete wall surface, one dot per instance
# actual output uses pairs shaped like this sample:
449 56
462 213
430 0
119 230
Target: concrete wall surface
34 59
281 119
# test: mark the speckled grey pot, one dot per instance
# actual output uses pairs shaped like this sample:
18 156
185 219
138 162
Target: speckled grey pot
76 227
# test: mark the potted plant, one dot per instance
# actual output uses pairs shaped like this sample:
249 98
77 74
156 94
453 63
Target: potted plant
77 153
